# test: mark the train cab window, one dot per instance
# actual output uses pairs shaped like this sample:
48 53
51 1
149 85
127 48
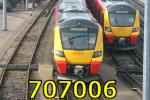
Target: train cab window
122 18
78 38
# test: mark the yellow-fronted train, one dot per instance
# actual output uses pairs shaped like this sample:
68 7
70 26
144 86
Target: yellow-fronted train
120 22
78 41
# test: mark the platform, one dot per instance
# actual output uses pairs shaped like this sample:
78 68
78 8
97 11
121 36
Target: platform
45 73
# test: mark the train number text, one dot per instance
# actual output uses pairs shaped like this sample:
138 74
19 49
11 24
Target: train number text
108 89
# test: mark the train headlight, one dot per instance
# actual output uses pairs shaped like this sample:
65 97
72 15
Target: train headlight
135 29
60 53
108 29
97 54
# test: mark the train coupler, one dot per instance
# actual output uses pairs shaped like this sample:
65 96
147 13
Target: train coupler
76 78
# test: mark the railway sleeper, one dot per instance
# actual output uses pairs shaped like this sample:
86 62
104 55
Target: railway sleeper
20 67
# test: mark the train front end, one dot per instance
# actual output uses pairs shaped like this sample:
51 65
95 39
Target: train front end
78 49
121 26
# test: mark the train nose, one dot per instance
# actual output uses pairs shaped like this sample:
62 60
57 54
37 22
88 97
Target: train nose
122 31
78 57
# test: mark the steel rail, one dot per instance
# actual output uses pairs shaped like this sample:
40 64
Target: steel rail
8 61
15 50
136 57
50 13
125 74
135 85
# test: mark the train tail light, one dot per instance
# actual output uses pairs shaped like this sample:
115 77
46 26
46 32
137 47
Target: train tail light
109 37
133 39
94 67
61 66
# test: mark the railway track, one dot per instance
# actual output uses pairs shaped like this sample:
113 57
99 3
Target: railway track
129 67
14 83
32 76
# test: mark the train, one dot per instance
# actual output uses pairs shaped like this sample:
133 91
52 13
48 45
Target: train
120 22
78 42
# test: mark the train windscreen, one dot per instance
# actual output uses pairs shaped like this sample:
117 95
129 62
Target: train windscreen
78 38
122 18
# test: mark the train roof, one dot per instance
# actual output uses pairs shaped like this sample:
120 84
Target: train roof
118 5
74 12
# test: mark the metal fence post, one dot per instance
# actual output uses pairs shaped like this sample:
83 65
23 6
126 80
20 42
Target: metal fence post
26 4
4 16
146 68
